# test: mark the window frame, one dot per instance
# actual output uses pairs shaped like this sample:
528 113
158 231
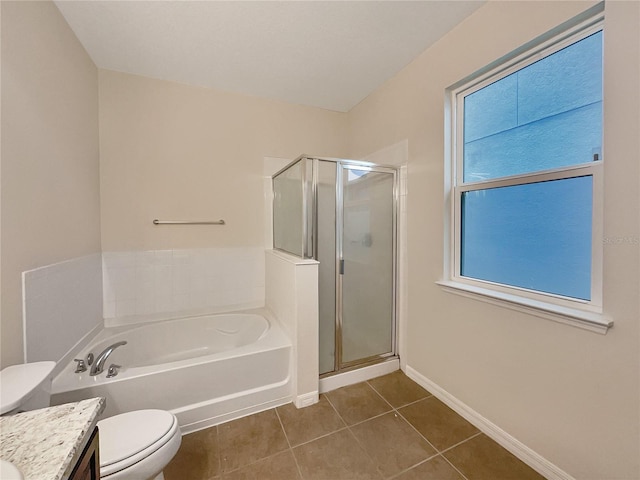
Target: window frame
584 313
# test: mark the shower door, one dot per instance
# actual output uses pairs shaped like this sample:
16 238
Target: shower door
357 271
367 264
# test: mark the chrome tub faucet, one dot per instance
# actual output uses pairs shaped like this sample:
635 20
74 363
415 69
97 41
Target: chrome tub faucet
98 365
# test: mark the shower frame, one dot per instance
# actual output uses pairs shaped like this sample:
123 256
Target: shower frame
309 247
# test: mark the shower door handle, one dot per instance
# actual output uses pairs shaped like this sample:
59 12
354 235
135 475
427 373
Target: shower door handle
341 267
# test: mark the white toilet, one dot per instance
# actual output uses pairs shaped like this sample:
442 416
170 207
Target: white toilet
133 446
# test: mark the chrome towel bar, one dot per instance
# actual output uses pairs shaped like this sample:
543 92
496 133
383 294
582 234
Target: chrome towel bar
187 222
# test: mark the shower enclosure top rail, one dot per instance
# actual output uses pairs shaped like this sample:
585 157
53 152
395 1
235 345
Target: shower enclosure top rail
346 161
188 222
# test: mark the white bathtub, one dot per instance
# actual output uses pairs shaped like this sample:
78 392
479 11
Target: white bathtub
205 369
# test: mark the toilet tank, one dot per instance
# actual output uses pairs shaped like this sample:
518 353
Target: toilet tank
25 387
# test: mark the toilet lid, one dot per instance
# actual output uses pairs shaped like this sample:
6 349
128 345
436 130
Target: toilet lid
124 436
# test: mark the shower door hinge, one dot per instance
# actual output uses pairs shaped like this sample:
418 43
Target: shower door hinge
341 267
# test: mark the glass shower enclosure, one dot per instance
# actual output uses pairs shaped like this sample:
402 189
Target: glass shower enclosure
343 213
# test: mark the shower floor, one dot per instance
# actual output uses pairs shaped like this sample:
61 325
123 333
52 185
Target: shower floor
385 428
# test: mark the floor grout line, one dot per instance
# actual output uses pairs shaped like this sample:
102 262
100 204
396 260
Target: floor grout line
218 453
429 395
418 432
344 422
373 462
371 418
286 437
454 467
461 442
252 463
334 408
379 394
284 430
319 437
397 412
363 421
224 473
414 466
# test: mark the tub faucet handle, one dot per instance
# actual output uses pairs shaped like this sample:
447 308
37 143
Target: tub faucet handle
112 371
80 366
89 358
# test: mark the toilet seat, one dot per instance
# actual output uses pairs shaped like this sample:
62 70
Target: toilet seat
131 437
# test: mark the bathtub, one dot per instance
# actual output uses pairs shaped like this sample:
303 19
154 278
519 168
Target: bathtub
205 369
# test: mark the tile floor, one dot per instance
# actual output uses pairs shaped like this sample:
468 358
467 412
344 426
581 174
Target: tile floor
385 428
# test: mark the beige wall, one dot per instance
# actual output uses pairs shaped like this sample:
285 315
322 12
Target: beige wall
172 151
569 394
50 170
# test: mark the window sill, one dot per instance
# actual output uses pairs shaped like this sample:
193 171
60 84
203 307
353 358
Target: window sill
592 321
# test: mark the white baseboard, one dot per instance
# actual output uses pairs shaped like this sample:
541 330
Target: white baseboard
307 399
536 461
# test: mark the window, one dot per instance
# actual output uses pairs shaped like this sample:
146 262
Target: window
526 179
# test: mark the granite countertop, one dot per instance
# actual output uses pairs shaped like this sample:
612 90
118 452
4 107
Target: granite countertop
45 444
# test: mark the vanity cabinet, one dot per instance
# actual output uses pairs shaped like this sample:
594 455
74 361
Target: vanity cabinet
88 465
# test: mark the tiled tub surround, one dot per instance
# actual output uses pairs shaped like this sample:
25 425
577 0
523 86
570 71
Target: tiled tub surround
62 303
66 303
386 428
45 444
151 284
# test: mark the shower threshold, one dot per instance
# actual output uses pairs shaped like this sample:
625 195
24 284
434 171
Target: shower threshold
334 380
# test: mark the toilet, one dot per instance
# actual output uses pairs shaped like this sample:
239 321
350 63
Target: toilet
137 445
133 446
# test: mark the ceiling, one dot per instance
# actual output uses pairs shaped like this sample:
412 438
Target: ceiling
328 54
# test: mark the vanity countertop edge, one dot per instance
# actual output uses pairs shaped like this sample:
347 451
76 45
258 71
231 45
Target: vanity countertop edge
45 444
